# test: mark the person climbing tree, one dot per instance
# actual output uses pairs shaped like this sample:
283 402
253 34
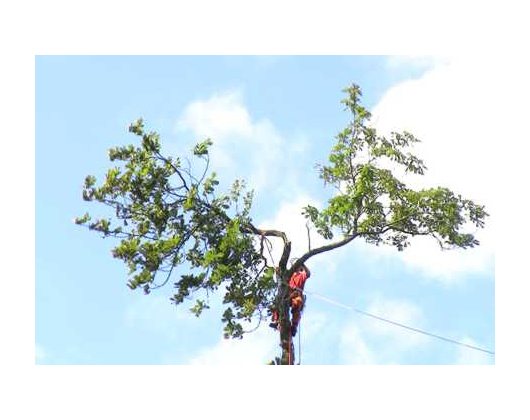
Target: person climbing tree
176 225
296 286
296 298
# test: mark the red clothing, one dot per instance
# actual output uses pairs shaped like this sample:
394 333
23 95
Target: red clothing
298 280
296 300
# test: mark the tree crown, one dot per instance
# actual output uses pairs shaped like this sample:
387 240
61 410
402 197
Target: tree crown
166 216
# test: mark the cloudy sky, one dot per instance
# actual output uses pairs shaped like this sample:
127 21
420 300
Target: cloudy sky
62 113
271 118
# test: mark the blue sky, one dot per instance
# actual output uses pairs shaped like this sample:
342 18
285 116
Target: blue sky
272 118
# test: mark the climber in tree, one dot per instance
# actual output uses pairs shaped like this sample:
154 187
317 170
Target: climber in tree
169 217
296 297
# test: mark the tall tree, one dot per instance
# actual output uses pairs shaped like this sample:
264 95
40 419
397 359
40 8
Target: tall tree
166 216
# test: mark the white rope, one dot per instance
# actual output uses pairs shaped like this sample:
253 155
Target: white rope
399 324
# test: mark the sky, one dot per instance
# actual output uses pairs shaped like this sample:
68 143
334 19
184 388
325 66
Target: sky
271 119
65 306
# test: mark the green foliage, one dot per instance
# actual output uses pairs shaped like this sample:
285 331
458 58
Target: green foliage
373 203
167 217
201 149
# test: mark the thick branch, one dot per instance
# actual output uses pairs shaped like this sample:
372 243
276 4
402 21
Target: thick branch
345 241
285 256
320 250
266 232
279 234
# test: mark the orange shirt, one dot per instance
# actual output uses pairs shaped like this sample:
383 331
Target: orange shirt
298 280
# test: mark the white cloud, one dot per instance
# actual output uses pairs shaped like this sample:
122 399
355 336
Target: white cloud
455 109
353 347
243 147
313 323
467 356
400 311
156 314
290 220
255 348
219 117
369 341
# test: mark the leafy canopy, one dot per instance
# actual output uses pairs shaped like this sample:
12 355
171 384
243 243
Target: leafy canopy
165 216
373 203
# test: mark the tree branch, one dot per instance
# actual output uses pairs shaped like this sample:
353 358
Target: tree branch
205 169
308 237
266 232
279 234
177 171
320 250
345 241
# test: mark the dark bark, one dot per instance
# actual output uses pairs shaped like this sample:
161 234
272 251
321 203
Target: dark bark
311 253
283 304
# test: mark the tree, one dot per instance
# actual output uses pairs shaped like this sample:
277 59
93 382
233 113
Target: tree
167 216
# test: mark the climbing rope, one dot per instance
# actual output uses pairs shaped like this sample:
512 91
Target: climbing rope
290 352
300 341
450 340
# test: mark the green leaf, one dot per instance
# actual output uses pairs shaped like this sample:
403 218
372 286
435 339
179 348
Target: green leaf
201 148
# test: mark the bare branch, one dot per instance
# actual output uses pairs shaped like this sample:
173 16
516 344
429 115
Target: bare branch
205 169
320 250
177 171
308 236
279 234
157 286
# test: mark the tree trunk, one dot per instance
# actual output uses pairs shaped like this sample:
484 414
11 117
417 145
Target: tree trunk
287 357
